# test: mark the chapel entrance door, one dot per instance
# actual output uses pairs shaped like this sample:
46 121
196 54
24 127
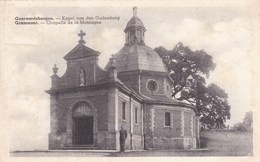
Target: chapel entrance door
83 124
83 130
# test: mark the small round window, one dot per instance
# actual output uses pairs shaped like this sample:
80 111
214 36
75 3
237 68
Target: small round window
152 86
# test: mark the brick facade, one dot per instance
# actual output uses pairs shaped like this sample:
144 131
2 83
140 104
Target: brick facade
159 136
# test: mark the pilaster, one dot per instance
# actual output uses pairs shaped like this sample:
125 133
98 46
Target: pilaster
182 123
113 115
53 114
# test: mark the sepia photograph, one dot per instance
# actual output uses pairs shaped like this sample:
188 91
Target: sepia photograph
129 79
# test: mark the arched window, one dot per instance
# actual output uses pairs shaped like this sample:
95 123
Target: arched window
167 119
139 36
132 36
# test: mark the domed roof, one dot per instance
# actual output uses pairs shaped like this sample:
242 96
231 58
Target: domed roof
138 57
134 22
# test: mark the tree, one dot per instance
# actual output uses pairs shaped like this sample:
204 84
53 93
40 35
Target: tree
214 107
248 119
183 63
247 123
189 70
239 127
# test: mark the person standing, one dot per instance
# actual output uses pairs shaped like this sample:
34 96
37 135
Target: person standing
123 136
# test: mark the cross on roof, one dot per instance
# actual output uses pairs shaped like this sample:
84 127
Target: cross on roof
81 35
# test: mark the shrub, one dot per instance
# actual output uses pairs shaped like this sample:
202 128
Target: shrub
241 127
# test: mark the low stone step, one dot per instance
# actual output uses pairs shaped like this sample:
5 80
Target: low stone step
80 147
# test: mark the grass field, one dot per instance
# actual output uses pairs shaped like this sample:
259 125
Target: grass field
229 143
215 144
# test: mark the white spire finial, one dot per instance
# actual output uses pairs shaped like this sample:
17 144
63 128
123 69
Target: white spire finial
135 11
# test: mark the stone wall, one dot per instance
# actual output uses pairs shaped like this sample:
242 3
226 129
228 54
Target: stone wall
188 120
134 130
138 80
167 143
137 142
93 73
106 140
176 136
99 103
131 79
167 131
61 116
157 78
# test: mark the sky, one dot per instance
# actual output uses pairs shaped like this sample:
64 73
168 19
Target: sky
30 51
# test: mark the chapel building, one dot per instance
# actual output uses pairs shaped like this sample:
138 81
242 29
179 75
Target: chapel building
88 104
